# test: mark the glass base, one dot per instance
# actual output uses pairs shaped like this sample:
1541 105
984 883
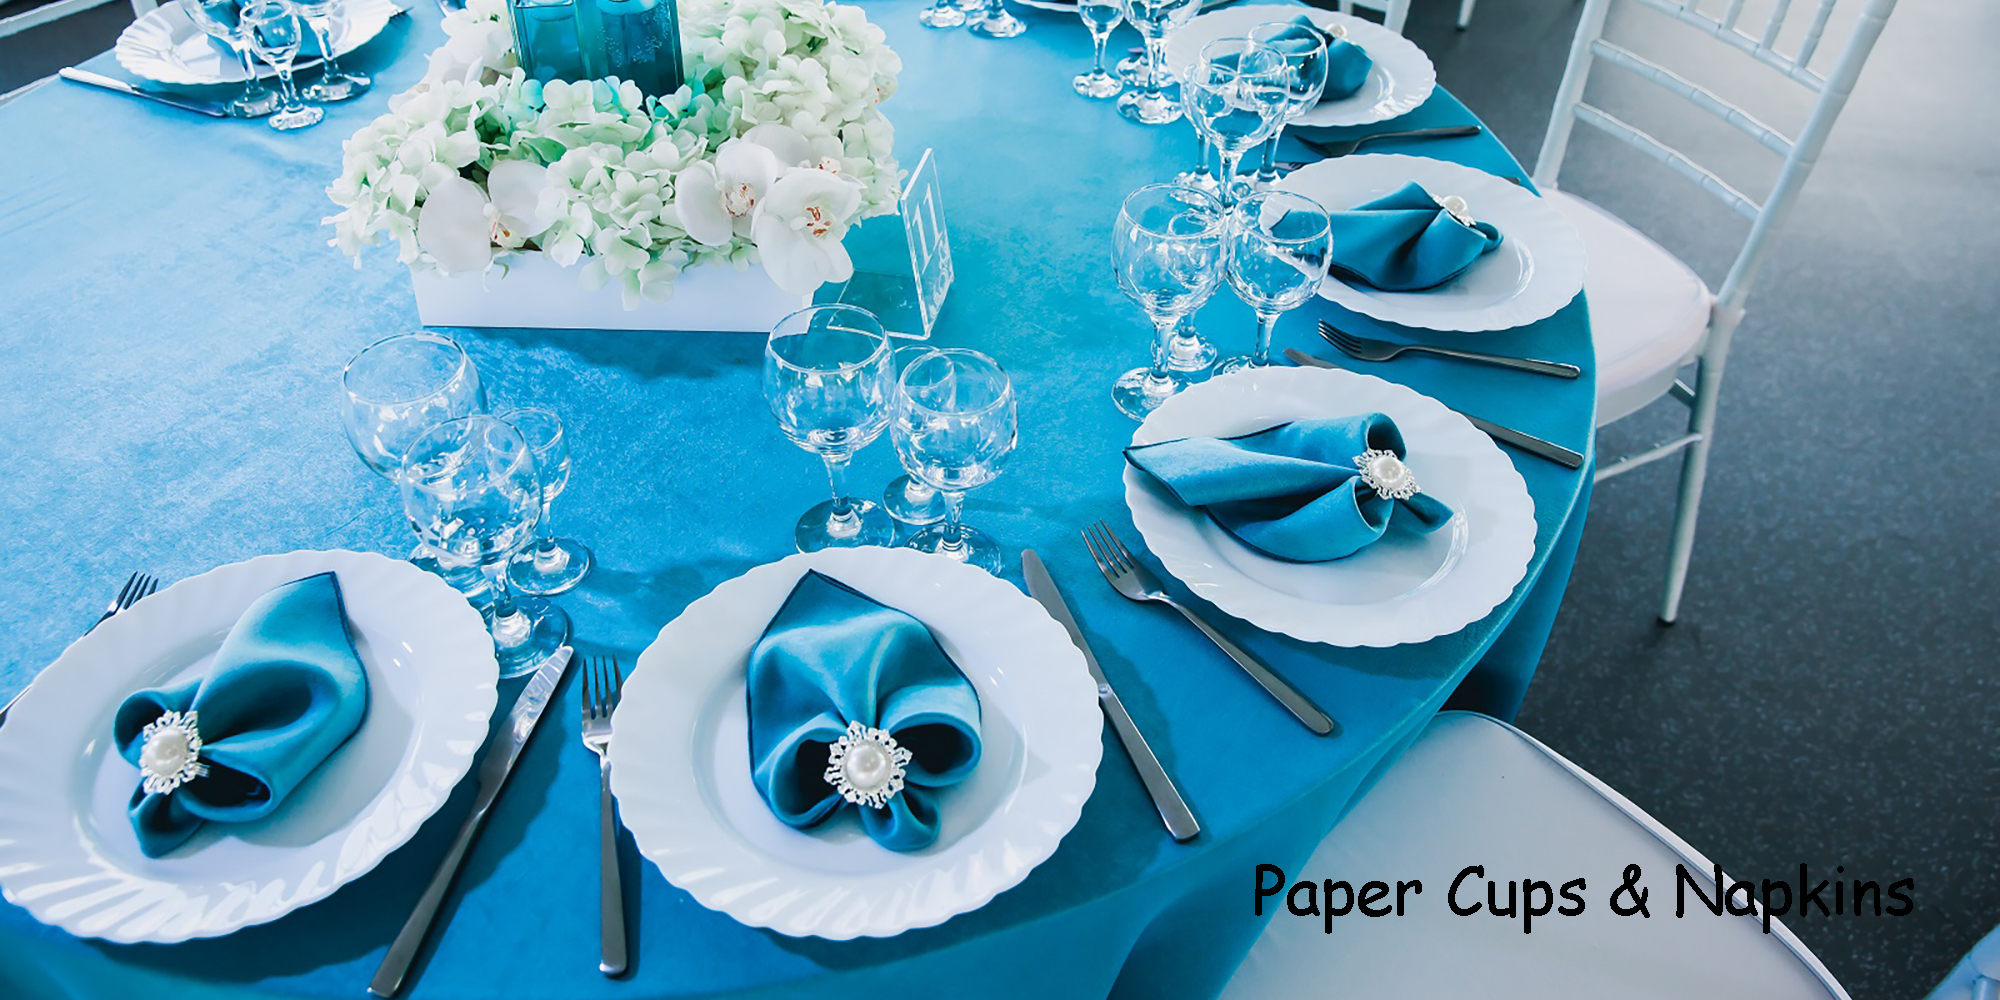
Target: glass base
941 17
1131 69
1242 362
551 570
337 88
466 579
528 637
1001 25
1097 85
296 118
253 105
974 548
1154 108
867 525
1138 393
1201 180
911 502
1189 354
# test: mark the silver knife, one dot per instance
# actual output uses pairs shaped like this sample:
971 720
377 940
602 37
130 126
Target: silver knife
102 82
1166 798
493 772
1499 432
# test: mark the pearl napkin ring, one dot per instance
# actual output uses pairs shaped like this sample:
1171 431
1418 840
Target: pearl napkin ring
1458 209
866 766
1386 474
170 753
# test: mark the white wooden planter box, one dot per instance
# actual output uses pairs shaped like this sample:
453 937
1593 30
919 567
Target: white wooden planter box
535 292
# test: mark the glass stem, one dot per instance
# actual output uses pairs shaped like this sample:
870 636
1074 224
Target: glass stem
1202 150
1228 177
286 91
322 29
1267 323
1268 172
1156 62
1164 327
1098 38
916 491
510 626
843 520
253 89
954 530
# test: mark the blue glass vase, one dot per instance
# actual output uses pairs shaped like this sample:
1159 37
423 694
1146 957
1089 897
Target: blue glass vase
635 40
557 40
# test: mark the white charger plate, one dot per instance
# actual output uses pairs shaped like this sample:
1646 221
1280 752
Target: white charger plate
1401 79
164 45
67 851
680 738
1402 588
1537 269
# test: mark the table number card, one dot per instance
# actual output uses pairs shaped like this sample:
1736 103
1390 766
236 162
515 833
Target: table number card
908 303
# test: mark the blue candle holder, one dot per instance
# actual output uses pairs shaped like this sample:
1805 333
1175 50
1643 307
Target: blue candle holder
635 40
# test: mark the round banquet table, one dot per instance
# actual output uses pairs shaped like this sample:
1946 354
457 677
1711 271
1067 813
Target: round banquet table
175 323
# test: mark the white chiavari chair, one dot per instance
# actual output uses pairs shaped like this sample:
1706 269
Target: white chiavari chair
1394 12
1651 314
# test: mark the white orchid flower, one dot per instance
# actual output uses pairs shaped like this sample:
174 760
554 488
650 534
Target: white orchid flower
459 224
799 226
716 200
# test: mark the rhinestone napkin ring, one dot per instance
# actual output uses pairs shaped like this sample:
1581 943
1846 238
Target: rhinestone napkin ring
866 766
170 753
1386 474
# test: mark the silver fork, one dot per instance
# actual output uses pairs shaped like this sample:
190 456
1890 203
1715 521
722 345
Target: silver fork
1131 579
601 686
137 587
1364 349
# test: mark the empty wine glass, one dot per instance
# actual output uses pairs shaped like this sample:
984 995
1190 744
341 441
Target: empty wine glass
1276 253
552 565
828 376
1167 251
1235 95
1100 17
1155 20
273 30
942 14
470 489
994 21
1305 79
954 428
218 20
1201 178
334 84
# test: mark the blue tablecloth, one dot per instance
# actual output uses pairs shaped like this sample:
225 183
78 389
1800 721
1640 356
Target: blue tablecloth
174 324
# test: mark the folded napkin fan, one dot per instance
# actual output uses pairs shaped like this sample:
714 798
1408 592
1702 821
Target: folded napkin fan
1347 64
853 702
1408 241
283 693
1305 491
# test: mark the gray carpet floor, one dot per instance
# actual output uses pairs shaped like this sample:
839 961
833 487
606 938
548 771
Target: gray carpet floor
1828 696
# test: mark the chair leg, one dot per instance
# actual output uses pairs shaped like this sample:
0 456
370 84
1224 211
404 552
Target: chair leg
1465 13
1694 474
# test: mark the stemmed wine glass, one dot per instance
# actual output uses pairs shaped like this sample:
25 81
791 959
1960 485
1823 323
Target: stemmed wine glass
470 489
994 21
1304 78
1201 178
1235 96
942 14
1276 255
1101 17
1167 252
828 375
218 20
552 565
954 428
1155 20
334 84
273 30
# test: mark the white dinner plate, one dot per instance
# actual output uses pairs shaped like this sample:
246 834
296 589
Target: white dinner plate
680 739
164 45
1401 78
1535 271
67 851
1403 588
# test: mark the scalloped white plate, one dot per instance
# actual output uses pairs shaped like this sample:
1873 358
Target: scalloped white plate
67 852
680 739
163 44
1401 79
1536 270
1400 589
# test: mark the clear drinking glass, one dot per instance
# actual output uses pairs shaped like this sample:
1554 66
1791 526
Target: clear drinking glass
1201 178
274 32
1100 17
954 428
828 375
1305 80
942 14
552 565
1275 256
1235 95
995 22
1167 252
334 84
470 489
1156 20
218 20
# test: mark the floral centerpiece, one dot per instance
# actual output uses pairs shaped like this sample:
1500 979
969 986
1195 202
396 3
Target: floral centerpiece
771 151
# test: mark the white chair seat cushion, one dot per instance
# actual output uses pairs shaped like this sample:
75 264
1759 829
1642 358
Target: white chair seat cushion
1475 791
1648 311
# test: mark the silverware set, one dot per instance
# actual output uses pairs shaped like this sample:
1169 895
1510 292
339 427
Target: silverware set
1364 349
1331 148
138 587
1567 457
602 684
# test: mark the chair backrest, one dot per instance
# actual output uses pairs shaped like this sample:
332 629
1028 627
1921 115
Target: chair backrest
1830 93
1394 12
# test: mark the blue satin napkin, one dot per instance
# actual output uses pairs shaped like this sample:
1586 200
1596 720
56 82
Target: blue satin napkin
831 658
1294 491
1406 242
283 693
1347 64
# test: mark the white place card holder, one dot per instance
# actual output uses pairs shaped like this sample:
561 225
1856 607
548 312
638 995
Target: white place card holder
908 302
